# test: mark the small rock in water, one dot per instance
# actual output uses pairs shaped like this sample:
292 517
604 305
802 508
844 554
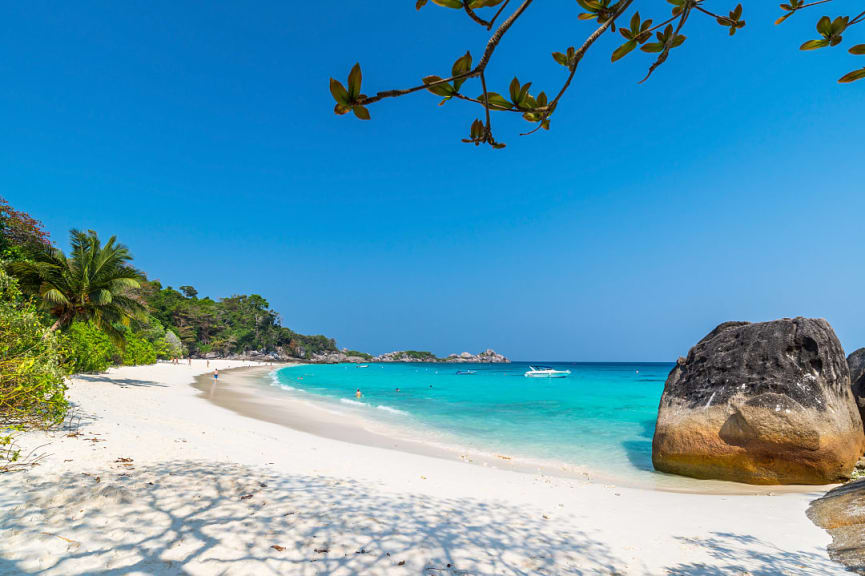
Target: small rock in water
278 548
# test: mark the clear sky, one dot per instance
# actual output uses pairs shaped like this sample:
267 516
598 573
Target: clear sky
728 187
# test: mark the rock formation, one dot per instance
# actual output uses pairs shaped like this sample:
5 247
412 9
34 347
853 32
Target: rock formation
856 363
487 356
766 403
841 512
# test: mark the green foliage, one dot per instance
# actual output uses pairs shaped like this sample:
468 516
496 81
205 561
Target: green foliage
348 99
604 14
137 350
363 355
831 32
95 283
88 349
227 326
420 355
31 376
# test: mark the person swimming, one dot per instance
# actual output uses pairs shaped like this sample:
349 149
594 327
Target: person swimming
357 394
397 389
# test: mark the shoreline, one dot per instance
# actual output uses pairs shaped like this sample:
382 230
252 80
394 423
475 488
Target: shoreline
153 478
245 391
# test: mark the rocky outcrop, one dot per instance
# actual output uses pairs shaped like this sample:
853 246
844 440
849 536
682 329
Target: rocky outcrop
841 512
336 357
487 356
766 403
856 363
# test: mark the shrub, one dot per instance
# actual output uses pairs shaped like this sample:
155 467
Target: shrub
88 348
32 387
137 350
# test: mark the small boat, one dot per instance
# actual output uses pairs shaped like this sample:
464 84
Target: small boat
465 372
546 372
363 365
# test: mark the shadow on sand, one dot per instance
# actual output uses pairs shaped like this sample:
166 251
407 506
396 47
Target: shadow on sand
192 517
122 382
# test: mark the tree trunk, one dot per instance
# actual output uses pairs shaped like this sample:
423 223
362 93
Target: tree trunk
53 328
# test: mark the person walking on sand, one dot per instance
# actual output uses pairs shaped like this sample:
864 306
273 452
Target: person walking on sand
358 394
216 373
208 363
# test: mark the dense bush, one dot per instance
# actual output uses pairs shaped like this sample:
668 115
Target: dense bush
32 386
137 350
87 348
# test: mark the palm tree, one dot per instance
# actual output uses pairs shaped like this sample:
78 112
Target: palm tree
94 283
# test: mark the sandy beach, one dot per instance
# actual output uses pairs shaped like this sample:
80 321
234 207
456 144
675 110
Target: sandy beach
151 477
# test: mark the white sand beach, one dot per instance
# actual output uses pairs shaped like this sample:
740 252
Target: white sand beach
155 479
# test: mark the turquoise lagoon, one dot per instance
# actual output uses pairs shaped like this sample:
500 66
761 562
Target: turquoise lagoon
601 417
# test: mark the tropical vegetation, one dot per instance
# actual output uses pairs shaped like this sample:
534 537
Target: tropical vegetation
89 309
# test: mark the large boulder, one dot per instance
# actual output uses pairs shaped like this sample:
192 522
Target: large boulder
766 403
856 363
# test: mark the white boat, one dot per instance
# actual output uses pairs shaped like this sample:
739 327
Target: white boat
546 372
363 365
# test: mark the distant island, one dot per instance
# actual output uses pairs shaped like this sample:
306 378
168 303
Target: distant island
487 356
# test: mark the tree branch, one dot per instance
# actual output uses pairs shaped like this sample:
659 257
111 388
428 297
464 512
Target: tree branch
482 64
581 51
474 16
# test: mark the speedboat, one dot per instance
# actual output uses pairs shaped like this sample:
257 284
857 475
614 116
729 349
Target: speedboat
363 365
546 372
465 372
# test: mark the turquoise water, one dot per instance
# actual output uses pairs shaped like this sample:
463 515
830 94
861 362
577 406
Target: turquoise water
601 417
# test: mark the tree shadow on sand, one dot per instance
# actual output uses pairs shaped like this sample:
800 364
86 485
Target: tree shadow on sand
186 517
746 555
111 380
196 517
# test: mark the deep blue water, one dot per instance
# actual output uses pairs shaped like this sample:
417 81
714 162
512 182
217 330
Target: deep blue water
602 416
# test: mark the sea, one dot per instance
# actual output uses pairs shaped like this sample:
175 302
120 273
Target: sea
601 417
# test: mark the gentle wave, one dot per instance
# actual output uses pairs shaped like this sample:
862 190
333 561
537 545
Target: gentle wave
353 402
391 410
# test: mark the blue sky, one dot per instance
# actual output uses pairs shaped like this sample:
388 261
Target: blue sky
728 187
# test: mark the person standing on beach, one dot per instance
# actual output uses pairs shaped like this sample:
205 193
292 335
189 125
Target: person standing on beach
216 373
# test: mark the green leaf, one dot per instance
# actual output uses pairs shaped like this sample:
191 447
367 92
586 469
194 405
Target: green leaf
859 49
524 92
484 3
496 101
462 65
824 26
340 94
677 41
839 25
514 90
784 17
561 59
852 76
361 112
623 50
420 4
449 3
652 47
814 44
354 79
